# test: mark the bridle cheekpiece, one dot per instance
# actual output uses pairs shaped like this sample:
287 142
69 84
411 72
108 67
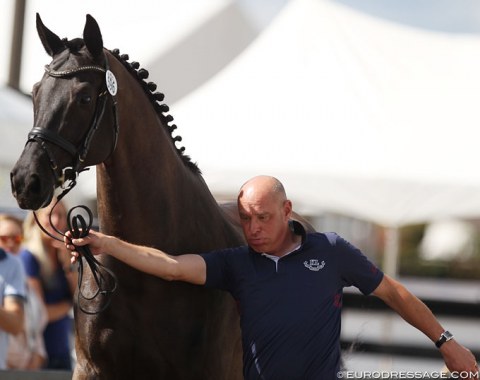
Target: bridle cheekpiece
79 153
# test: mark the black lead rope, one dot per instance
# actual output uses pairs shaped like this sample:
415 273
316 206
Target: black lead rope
79 228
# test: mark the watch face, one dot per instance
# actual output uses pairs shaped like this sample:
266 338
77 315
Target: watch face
448 335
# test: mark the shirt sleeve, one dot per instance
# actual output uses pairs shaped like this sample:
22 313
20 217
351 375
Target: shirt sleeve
219 268
15 283
355 268
30 263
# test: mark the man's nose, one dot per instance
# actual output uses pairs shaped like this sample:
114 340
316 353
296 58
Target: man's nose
254 226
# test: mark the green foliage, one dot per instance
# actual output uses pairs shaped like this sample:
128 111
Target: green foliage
411 263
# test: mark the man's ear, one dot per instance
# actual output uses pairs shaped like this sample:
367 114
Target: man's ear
287 208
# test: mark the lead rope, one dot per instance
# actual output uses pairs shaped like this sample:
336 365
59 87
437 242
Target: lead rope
79 228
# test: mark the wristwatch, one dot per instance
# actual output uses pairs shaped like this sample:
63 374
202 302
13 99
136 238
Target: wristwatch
444 337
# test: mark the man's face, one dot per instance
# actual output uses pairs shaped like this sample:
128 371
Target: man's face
264 218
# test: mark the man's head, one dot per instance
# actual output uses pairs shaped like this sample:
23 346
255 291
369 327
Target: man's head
264 214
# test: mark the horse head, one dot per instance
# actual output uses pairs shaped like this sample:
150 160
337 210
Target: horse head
74 126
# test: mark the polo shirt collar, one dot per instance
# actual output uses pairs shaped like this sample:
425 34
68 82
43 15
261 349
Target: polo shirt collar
298 229
3 254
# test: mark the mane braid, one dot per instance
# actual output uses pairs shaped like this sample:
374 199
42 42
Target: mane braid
155 97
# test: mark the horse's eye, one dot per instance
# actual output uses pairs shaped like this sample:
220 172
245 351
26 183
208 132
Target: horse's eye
85 99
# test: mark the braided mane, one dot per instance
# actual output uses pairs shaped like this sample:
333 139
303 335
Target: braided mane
156 98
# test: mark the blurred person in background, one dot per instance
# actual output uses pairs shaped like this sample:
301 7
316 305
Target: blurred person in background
52 276
26 350
12 296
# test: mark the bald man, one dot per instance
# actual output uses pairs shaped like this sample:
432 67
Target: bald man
288 284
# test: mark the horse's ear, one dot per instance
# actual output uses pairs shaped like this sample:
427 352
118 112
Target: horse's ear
92 37
50 41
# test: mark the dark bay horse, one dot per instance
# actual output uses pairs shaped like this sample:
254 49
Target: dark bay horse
93 107
149 193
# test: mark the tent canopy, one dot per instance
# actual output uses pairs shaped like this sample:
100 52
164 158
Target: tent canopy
353 113
16 120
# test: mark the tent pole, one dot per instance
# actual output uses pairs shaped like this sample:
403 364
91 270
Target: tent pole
392 248
17 44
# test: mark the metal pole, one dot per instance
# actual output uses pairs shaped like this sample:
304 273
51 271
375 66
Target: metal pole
392 242
17 44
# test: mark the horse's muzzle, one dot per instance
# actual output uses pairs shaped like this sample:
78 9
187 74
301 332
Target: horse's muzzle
31 190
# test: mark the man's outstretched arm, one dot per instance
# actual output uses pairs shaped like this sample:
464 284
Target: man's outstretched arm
415 312
189 267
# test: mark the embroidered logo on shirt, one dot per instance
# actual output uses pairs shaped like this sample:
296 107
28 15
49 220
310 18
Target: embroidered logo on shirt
314 265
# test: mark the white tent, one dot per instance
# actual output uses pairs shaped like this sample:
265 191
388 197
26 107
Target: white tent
354 113
16 119
210 46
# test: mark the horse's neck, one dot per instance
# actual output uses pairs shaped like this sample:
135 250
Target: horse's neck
146 193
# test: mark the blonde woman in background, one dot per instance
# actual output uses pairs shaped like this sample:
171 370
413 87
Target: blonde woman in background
51 275
26 350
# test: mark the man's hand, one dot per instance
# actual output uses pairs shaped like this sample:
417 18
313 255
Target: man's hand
458 358
95 240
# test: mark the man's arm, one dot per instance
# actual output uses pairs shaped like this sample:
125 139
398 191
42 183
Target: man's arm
11 315
415 312
189 268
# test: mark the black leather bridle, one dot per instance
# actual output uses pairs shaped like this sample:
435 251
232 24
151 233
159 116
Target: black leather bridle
78 153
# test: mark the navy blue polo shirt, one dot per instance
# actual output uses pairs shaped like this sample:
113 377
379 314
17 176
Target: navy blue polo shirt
290 309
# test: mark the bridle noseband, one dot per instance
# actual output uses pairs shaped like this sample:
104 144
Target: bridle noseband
79 153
